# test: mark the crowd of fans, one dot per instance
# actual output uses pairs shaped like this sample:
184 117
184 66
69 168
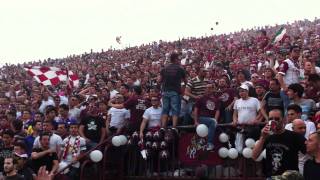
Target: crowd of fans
242 78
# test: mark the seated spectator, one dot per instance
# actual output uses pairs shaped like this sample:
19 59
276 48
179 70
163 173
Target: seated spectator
207 111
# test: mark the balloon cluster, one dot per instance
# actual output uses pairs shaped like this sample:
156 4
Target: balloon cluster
224 152
232 153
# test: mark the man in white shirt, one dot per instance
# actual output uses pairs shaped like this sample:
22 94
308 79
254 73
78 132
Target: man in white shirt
74 111
245 112
151 116
46 101
118 118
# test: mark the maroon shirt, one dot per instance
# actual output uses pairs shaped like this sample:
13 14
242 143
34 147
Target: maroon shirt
137 105
208 105
226 96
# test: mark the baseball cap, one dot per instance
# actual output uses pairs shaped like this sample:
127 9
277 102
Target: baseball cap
244 86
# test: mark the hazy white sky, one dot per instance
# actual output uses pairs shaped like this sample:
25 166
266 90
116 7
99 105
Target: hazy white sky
38 29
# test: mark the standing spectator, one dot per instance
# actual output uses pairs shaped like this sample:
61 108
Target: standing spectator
282 146
207 111
171 77
136 104
54 139
29 140
151 117
295 92
23 167
118 118
312 166
46 101
74 111
73 146
92 127
289 69
44 156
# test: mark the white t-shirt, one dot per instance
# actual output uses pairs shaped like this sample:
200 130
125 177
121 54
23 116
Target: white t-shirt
69 157
153 116
74 113
310 128
55 142
118 117
247 109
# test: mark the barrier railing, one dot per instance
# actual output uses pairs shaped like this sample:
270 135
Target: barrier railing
168 154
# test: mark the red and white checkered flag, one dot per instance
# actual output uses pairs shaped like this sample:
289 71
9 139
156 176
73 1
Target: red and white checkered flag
51 76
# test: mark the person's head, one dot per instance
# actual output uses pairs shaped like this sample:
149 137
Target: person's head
137 90
313 143
63 110
254 77
61 128
119 98
9 165
295 52
17 125
36 126
155 102
26 115
299 126
47 126
241 76
307 66
295 91
38 116
314 80
244 91
124 89
7 137
274 85
260 89
73 100
19 147
73 128
57 100
222 83
45 140
294 111
154 91
210 88
276 115
174 57
51 112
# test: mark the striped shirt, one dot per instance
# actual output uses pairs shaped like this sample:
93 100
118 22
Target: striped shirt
197 86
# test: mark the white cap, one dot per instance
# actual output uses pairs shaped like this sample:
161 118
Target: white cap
244 86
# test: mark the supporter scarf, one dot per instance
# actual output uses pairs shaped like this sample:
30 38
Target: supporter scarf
75 147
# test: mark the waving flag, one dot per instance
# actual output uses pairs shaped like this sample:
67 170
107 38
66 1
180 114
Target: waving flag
279 35
51 76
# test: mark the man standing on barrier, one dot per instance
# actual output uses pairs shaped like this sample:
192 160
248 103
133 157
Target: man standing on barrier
282 146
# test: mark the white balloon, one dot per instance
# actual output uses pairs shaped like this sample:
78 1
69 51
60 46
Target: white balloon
116 141
233 153
250 143
62 165
123 139
223 137
96 156
202 130
247 152
223 152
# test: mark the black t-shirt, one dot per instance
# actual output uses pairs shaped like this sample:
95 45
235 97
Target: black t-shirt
15 177
282 152
27 173
92 127
172 75
273 101
46 160
311 170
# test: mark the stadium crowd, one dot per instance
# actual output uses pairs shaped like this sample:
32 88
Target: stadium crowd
242 78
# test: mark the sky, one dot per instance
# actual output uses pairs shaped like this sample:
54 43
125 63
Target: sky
39 29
